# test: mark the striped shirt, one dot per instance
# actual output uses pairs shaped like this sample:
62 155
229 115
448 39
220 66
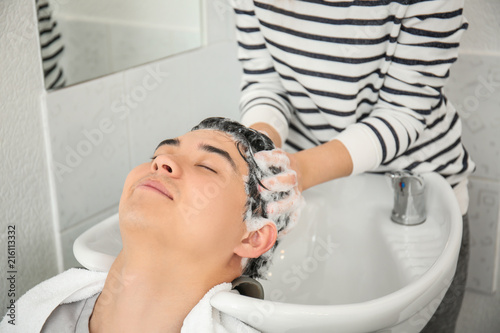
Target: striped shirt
369 73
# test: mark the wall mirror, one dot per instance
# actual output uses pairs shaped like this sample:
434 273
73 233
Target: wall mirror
84 39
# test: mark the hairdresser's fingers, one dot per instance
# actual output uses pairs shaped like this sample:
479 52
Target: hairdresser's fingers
281 182
285 205
276 158
279 207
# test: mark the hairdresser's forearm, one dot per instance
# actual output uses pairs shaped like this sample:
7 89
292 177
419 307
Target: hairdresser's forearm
270 131
316 165
320 164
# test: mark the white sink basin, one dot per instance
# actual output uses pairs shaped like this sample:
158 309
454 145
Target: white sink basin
346 267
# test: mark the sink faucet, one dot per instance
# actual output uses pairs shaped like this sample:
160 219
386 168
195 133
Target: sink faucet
409 198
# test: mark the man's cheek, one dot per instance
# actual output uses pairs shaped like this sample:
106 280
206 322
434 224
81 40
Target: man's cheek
135 175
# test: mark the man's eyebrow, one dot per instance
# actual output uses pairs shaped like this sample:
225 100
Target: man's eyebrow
221 152
205 147
170 142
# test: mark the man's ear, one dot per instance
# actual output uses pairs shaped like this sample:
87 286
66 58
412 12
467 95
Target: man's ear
255 243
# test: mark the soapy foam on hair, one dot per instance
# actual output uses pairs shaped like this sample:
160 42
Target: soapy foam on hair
279 197
269 185
282 200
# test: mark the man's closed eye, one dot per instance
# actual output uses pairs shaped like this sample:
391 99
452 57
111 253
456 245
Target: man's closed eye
206 167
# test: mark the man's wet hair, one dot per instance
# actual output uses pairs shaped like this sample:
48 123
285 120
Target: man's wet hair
248 142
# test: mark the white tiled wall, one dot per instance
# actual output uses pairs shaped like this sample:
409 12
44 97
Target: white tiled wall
474 88
25 191
484 19
90 148
69 235
484 238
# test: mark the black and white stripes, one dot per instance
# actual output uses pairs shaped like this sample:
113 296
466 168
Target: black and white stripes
369 73
51 46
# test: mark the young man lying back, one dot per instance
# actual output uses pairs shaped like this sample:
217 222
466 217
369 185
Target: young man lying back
208 208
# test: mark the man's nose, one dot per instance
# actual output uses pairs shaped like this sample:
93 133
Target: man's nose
166 164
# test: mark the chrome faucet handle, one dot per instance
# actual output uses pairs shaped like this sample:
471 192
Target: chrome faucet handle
409 198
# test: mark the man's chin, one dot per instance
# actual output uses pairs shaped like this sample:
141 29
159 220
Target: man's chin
137 219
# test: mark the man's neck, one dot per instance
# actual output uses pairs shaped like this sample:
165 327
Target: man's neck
143 294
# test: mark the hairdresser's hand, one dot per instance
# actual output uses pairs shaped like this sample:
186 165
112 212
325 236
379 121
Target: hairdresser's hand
313 166
286 176
280 177
292 163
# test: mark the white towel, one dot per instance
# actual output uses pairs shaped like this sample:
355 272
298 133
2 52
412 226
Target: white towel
34 307
204 318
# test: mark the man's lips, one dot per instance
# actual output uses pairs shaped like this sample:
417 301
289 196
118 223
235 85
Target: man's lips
156 186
